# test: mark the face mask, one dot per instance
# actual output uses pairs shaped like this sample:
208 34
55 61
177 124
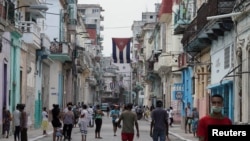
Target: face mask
216 109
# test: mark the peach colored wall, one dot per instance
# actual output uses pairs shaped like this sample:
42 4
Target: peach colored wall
203 106
176 104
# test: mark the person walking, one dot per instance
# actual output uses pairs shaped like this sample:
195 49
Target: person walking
6 122
85 112
108 110
188 118
129 120
115 113
171 116
90 116
215 118
68 123
23 123
56 123
83 125
98 121
195 121
45 121
16 123
76 115
159 123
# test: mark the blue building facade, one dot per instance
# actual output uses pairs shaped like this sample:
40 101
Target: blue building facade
187 89
226 89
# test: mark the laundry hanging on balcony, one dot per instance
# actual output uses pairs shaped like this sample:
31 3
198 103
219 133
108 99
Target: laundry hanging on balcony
121 50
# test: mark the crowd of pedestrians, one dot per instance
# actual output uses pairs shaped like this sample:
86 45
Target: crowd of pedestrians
125 117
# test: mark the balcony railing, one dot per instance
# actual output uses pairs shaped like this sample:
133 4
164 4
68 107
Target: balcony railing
211 8
31 32
60 51
163 63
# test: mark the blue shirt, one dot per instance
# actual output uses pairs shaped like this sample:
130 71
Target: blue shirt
114 114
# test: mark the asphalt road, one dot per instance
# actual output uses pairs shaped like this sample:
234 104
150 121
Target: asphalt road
107 133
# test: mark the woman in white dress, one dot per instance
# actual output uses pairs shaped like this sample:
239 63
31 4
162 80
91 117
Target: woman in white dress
45 121
83 122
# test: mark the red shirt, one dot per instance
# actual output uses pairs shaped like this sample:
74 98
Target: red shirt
202 130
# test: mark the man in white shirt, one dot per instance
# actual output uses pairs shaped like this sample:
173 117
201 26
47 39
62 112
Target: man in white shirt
16 122
170 116
90 116
85 112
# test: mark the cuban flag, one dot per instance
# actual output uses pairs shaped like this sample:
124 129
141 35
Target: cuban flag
121 50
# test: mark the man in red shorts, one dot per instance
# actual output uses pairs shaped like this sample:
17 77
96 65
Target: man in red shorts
129 119
215 118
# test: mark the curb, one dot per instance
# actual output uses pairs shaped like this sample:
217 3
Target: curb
178 136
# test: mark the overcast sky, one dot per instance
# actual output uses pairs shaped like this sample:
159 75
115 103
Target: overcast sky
119 16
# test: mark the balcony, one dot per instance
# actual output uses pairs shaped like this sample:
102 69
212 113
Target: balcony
31 33
3 17
28 2
183 60
181 20
60 51
164 63
3 23
200 33
45 44
33 12
92 81
72 24
80 66
165 12
72 10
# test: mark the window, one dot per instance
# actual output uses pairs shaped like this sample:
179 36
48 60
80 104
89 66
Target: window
95 10
151 17
83 11
124 67
226 57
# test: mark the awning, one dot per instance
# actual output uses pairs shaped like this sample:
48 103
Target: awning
224 82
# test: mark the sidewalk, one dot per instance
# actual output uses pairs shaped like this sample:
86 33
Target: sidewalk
33 134
180 133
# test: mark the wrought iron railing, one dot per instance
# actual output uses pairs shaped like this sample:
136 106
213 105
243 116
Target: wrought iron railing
211 8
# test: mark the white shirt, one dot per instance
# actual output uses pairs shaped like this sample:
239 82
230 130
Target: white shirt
16 117
45 115
85 112
170 113
65 110
91 111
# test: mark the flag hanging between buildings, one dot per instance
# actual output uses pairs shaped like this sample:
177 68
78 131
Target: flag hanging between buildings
121 50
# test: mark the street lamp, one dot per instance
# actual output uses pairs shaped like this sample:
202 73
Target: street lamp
41 7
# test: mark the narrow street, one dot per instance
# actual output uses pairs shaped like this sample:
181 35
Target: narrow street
107 133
